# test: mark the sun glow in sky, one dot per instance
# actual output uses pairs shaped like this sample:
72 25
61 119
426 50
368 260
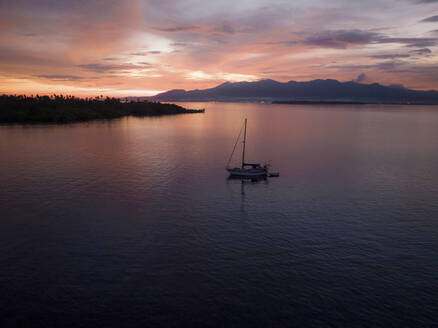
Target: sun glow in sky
140 47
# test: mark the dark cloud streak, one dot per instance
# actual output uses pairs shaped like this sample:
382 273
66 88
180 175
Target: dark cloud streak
421 52
425 1
341 38
431 19
345 38
360 78
55 77
177 29
103 68
390 56
384 66
410 42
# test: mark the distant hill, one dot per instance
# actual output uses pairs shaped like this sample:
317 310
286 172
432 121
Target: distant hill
331 91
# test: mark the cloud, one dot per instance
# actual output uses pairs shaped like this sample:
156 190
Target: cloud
141 53
145 53
422 51
227 28
410 42
103 68
14 56
341 38
388 65
384 66
223 28
179 44
177 29
390 56
361 78
194 44
200 75
284 43
426 73
430 19
61 77
345 38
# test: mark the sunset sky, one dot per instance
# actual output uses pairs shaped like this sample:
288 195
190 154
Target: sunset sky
139 47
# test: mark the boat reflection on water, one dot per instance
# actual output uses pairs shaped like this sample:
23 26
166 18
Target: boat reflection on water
246 181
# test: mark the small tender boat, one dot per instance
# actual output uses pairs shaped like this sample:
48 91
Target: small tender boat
247 170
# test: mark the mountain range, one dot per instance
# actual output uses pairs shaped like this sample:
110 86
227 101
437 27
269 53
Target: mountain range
311 91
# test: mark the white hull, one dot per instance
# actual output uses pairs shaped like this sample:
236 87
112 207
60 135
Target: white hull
236 172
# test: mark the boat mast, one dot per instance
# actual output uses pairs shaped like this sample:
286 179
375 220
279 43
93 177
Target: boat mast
244 143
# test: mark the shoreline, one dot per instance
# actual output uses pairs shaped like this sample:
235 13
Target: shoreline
65 110
297 102
336 102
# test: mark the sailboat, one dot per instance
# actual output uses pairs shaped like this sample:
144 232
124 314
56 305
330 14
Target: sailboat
246 170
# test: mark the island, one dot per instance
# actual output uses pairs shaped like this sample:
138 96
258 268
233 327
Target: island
68 109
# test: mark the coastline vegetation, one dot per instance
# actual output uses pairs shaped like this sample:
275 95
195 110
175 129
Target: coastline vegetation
69 109
347 102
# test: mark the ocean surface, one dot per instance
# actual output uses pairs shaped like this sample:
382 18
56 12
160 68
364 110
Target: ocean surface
133 222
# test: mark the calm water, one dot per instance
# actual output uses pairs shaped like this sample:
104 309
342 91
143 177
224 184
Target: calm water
133 222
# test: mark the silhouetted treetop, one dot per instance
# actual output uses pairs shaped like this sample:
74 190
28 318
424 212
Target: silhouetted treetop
67 109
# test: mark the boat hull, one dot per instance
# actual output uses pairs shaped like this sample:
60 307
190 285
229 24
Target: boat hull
247 173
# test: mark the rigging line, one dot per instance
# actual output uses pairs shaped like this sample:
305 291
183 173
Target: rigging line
235 145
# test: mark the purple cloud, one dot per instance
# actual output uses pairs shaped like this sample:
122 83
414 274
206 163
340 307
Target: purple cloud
383 66
179 44
361 78
430 19
60 77
390 56
103 68
145 53
345 38
285 43
420 52
177 29
139 53
410 42
341 38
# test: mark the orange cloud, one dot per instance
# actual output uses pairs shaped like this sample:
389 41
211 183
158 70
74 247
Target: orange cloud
116 47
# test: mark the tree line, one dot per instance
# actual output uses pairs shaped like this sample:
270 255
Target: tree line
68 109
